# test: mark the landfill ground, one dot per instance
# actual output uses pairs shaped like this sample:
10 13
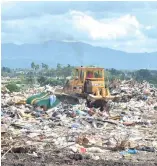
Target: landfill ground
63 160
124 133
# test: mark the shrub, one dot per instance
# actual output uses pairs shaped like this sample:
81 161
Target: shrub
18 82
41 80
53 82
12 87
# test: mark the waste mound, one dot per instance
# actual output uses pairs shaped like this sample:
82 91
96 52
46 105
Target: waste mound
46 127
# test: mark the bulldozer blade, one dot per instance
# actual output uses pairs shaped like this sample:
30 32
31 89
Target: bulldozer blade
67 98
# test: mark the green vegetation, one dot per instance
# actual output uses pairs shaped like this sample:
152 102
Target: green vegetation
12 87
43 75
143 74
51 81
45 81
6 69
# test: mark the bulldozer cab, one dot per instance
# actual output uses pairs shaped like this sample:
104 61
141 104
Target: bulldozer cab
89 73
88 80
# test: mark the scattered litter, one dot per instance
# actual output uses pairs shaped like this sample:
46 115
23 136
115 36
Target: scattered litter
33 119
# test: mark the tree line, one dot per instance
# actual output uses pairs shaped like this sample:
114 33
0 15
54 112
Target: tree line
44 74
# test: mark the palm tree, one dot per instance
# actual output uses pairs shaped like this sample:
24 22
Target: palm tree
59 70
42 65
33 65
46 67
37 67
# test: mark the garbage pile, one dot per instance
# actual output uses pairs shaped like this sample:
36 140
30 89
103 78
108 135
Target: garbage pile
123 129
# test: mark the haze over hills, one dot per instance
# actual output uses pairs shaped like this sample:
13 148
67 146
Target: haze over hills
74 53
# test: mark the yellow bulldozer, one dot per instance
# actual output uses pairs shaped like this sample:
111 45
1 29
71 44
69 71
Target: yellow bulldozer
88 82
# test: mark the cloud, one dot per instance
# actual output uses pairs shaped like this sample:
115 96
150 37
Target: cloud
132 46
117 28
14 10
74 25
32 30
150 31
127 26
149 27
144 45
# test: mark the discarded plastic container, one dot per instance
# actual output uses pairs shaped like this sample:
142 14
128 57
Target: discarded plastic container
79 112
132 151
145 97
82 150
75 125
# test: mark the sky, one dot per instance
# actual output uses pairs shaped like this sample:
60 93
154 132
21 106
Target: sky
126 26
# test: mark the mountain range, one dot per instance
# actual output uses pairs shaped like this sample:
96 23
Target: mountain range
73 53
